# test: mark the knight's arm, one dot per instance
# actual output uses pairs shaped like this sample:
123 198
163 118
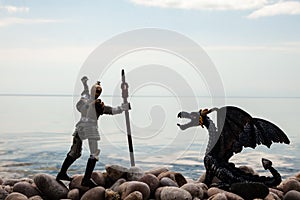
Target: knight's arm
85 93
115 110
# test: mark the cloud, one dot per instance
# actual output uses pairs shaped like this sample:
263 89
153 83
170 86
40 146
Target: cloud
14 9
259 8
13 20
204 4
280 8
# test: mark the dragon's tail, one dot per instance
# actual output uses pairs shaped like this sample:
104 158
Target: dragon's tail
268 181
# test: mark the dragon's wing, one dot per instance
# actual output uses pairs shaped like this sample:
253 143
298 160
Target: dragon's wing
239 130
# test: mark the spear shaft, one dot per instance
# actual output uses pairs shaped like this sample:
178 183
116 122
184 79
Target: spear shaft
124 87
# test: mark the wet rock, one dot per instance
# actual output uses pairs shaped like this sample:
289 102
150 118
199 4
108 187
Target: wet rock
16 196
177 177
151 180
213 191
37 197
115 172
111 195
289 184
128 187
116 185
96 193
219 196
74 194
194 189
49 187
292 195
172 193
250 190
157 171
277 192
3 193
134 174
25 188
136 195
166 181
76 183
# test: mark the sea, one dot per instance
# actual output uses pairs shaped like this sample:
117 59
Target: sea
36 134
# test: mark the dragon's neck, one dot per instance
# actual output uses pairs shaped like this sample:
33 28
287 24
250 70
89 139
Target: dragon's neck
213 135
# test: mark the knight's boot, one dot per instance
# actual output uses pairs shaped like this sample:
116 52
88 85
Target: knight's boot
62 175
87 181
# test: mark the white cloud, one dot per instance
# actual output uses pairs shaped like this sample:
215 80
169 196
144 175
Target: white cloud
204 4
260 8
14 9
280 8
13 20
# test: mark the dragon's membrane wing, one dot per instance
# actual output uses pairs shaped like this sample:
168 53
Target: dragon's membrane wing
242 130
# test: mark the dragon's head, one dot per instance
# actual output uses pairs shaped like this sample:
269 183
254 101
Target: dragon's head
196 118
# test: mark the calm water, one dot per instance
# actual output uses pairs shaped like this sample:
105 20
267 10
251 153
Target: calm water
36 135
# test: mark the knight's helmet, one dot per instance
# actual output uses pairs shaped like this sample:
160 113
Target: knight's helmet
96 90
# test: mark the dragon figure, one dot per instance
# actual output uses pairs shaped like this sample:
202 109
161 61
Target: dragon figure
235 129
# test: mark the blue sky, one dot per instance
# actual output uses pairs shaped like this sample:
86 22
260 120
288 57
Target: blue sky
254 44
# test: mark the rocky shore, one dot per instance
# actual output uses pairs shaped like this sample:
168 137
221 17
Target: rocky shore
121 183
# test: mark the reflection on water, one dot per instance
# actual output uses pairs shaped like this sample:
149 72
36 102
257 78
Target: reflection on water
36 138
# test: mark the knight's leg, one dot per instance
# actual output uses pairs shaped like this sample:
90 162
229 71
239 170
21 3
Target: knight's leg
94 157
73 154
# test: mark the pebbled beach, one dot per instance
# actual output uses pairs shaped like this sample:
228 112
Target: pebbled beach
118 182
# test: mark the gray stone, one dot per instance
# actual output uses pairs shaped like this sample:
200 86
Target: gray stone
174 193
49 187
292 195
134 174
166 181
115 172
96 193
25 188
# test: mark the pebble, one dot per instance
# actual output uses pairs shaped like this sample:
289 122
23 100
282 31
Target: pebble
166 181
292 195
37 197
25 188
157 171
96 193
128 187
115 172
194 189
212 191
49 187
136 195
16 196
74 194
174 193
177 177
151 180
134 174
219 196
289 184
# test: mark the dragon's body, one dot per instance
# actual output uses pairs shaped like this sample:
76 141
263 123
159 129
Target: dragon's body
235 129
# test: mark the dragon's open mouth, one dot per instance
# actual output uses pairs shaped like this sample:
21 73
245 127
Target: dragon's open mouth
193 117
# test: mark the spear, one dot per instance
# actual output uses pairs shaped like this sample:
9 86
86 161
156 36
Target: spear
124 87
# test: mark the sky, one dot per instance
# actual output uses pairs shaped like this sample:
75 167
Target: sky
254 44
